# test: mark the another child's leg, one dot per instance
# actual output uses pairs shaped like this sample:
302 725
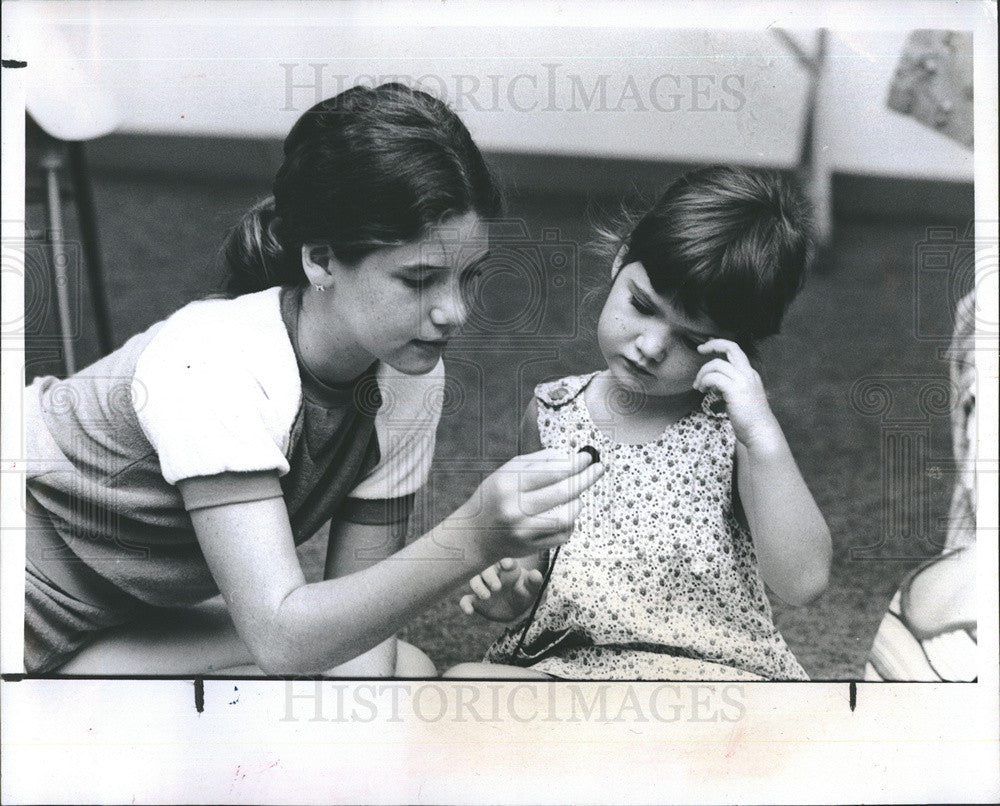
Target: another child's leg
494 671
943 594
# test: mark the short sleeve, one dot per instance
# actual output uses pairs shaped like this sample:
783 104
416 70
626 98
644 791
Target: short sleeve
200 492
406 426
205 411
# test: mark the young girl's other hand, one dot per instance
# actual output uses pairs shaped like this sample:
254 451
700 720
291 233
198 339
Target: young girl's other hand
503 591
741 387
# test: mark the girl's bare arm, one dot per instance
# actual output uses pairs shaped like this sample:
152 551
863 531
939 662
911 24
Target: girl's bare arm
790 536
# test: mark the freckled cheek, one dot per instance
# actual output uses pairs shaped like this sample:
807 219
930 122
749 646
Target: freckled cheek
606 338
612 323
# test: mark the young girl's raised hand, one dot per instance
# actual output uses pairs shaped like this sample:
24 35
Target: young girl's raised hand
503 591
790 536
741 387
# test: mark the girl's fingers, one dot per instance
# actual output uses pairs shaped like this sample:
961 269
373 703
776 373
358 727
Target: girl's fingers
533 581
716 365
557 520
507 564
554 495
491 578
723 384
730 349
553 540
529 583
545 468
479 587
465 603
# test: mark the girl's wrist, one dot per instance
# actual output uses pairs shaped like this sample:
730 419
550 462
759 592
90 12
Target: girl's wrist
766 438
474 538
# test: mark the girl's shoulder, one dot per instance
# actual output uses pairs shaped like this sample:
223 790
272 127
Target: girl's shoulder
217 315
220 387
556 394
214 342
217 328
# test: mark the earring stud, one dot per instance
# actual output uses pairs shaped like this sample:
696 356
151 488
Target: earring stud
319 287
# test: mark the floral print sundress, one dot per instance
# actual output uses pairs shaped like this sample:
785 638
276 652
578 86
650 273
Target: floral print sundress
659 580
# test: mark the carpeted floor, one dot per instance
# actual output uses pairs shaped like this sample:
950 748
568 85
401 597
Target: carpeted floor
870 319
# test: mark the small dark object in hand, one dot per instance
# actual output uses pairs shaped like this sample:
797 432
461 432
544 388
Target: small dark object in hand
591 451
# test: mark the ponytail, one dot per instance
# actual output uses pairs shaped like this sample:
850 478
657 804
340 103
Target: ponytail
254 257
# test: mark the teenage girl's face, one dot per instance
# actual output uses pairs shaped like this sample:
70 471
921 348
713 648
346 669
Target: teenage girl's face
648 344
402 304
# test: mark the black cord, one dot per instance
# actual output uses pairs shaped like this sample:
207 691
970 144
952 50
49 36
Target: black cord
595 456
538 601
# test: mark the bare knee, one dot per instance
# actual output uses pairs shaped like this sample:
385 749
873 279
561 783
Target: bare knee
413 662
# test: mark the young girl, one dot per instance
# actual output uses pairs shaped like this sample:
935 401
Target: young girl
702 503
193 459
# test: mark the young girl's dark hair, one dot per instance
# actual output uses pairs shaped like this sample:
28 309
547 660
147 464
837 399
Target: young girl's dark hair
729 243
366 169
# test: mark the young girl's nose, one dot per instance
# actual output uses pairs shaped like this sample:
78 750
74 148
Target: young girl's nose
653 346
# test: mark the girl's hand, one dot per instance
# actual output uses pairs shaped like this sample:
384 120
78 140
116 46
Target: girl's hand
741 387
503 591
528 504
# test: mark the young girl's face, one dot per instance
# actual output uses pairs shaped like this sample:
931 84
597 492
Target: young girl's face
402 304
648 343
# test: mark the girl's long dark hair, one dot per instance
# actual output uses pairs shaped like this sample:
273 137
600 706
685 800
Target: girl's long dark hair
366 169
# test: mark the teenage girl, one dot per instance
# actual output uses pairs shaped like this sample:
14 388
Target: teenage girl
702 504
193 459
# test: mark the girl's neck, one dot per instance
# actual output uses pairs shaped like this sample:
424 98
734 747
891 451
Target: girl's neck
327 351
627 415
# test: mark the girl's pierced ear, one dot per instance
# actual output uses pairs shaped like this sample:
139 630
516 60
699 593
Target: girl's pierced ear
315 265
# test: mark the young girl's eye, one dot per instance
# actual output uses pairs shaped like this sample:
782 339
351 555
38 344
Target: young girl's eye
641 307
415 283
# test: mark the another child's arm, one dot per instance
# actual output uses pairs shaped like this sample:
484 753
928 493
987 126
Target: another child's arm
790 536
